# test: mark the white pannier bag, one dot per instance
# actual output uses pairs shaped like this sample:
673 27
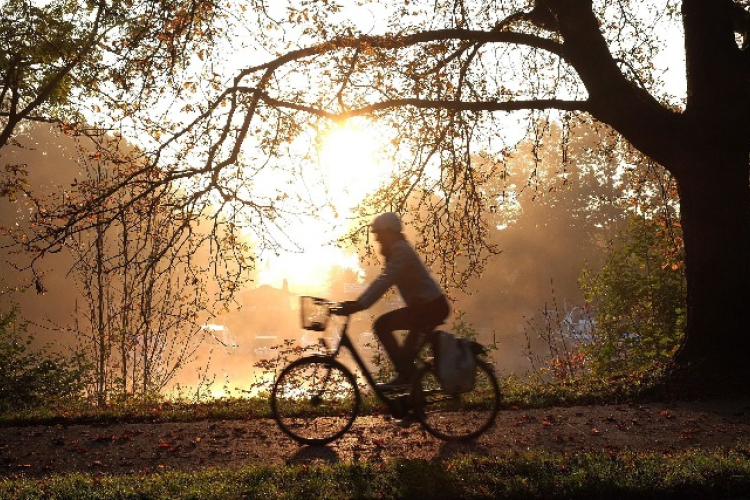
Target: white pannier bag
455 362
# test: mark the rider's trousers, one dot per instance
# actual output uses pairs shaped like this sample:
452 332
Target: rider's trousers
419 320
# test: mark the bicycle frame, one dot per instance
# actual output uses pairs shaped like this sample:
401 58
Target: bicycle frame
442 414
394 403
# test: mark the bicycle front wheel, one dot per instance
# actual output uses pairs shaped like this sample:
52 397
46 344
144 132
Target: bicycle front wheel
456 417
315 400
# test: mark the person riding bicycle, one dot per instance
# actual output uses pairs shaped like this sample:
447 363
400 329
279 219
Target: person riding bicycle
426 303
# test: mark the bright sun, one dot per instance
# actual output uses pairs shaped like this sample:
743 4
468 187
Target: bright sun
349 164
349 171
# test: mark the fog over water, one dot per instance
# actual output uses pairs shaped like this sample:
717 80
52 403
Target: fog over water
545 244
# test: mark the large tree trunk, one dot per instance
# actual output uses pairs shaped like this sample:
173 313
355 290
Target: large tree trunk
715 214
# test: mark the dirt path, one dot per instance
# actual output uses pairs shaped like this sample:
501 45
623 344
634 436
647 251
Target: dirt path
148 447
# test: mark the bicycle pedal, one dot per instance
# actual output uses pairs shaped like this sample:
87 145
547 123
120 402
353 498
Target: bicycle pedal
393 387
406 422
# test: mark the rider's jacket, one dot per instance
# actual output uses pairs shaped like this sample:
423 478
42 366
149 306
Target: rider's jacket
405 270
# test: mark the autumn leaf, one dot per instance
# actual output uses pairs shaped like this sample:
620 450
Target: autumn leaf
165 445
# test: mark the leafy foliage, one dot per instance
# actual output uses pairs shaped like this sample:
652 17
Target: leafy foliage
35 377
65 58
639 298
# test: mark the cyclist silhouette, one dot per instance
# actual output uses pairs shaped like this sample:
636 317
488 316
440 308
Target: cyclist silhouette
426 303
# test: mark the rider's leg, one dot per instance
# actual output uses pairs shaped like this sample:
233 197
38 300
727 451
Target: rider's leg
426 318
417 320
384 327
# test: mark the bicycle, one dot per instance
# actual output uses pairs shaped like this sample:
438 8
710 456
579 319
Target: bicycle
316 399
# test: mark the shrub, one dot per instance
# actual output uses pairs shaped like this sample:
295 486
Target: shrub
34 377
639 298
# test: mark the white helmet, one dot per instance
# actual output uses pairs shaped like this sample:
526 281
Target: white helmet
388 221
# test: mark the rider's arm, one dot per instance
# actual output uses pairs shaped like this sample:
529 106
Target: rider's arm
395 266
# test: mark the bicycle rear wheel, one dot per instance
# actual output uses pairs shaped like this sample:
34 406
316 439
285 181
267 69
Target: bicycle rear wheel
315 400
456 417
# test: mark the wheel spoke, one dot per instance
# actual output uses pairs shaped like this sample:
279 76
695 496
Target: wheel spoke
456 417
315 400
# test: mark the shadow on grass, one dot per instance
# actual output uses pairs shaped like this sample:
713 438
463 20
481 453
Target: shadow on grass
314 454
449 451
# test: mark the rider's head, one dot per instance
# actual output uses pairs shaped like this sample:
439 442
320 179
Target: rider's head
387 229
388 221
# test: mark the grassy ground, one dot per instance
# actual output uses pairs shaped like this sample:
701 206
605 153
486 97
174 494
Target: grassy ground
694 474
515 393
687 475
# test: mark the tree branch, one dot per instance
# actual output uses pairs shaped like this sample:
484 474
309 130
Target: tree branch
393 42
613 98
46 91
472 106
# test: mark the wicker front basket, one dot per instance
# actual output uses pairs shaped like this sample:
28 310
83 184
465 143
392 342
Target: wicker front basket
315 313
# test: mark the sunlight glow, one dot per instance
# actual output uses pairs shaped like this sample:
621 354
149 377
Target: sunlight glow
348 160
348 171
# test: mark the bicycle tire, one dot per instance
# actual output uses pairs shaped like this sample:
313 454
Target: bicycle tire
456 417
315 400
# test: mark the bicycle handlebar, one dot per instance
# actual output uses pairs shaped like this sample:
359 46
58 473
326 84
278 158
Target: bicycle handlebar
315 312
337 309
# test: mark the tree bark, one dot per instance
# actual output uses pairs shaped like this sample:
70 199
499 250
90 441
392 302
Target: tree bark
715 215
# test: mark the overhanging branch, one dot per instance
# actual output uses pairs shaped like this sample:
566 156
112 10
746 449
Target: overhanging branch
472 106
393 42
475 106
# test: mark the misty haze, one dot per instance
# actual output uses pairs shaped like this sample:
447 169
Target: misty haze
553 219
